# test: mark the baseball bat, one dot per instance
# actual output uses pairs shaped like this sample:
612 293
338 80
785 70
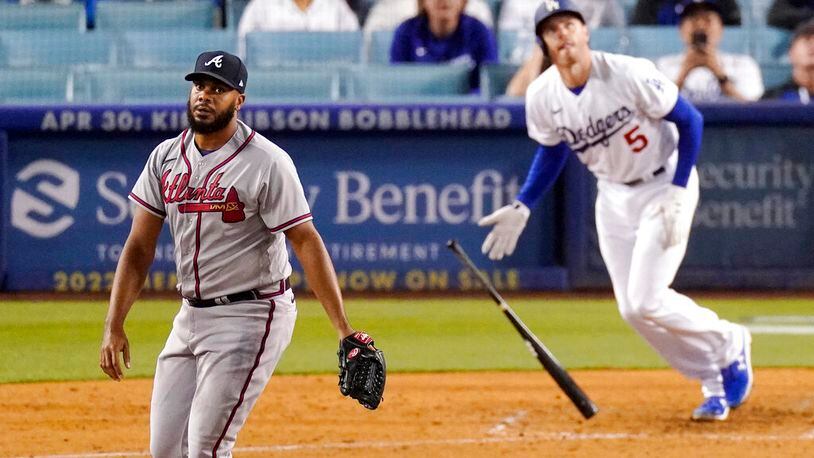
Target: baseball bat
585 406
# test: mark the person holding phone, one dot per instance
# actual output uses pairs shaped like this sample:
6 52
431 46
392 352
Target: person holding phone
702 71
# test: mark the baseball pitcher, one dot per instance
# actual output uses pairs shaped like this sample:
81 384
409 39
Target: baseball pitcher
231 199
627 123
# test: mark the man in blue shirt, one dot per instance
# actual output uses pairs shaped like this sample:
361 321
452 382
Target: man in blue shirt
441 33
800 88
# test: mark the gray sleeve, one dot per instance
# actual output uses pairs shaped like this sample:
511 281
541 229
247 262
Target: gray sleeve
147 190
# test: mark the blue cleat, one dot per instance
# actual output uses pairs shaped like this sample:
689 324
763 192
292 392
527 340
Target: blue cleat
738 376
714 408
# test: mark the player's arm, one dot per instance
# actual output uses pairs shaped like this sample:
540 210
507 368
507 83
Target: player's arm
310 250
509 221
690 124
135 260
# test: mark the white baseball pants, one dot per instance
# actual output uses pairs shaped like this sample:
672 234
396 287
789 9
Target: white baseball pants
214 366
690 338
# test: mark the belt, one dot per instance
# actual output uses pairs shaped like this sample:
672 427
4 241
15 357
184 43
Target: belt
250 295
639 181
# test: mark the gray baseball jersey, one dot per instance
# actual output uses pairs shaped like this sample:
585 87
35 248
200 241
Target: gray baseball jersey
227 210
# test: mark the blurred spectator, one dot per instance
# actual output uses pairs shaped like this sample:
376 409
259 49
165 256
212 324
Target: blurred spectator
518 15
788 14
290 15
441 32
295 15
536 64
702 72
388 14
666 12
361 8
801 54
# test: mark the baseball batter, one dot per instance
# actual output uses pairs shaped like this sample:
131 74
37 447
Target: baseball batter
231 199
627 123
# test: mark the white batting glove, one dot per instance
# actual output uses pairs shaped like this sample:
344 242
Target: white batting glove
509 222
677 222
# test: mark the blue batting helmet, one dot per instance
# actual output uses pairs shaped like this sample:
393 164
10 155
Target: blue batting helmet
549 8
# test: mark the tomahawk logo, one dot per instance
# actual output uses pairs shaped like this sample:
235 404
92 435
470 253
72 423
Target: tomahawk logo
217 60
35 216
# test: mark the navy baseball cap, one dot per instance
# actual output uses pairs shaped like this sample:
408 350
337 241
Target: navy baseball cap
549 8
222 66
686 7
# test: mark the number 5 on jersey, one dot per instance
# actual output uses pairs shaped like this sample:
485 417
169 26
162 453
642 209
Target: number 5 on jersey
637 142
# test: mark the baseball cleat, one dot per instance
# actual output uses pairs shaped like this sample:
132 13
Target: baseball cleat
738 376
714 408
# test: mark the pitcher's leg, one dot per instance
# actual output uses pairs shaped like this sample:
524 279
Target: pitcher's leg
235 364
173 389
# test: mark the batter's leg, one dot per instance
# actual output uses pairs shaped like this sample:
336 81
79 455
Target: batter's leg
173 388
617 240
236 357
697 341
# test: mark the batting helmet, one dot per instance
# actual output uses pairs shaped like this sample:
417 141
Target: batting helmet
550 8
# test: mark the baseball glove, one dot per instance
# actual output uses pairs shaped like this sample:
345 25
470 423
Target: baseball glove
362 370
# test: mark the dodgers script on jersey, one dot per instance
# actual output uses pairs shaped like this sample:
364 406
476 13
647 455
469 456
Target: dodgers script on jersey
226 209
614 125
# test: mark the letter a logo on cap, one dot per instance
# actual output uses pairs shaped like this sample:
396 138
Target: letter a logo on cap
217 60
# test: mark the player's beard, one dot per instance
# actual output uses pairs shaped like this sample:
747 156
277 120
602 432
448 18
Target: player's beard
220 121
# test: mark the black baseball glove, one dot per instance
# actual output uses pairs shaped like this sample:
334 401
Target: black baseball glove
362 370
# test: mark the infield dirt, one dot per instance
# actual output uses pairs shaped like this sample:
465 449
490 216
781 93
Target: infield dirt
473 414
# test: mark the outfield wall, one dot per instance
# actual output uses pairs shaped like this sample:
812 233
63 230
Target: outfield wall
390 184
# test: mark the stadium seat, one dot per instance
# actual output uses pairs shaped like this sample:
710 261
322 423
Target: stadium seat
506 43
608 39
771 45
42 17
271 49
234 12
735 40
33 86
172 48
293 85
48 48
128 85
494 78
404 82
653 42
775 74
378 46
191 14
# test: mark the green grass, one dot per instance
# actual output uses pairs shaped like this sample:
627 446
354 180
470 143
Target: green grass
60 340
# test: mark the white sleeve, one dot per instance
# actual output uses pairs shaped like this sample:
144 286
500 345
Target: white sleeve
248 20
538 124
348 22
748 79
282 203
510 17
654 93
481 11
147 190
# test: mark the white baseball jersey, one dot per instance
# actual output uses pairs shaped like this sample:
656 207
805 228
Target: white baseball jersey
285 15
701 84
227 211
614 125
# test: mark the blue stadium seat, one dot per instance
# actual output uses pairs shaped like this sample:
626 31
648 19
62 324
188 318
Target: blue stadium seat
294 85
771 45
653 42
494 78
378 46
506 43
42 17
48 48
33 86
404 82
234 12
172 48
128 85
775 74
608 39
735 40
191 14
271 49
